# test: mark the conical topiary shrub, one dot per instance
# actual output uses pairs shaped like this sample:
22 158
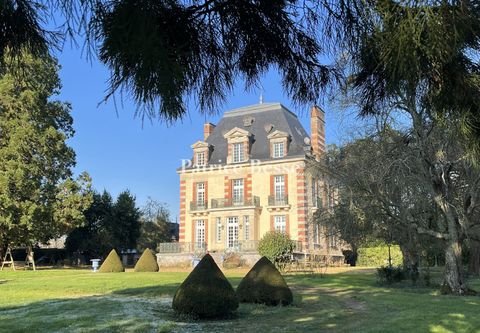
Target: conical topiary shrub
112 263
147 262
264 284
206 292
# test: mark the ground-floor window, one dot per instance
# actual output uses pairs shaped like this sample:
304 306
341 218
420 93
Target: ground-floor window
246 227
218 230
280 223
232 232
199 233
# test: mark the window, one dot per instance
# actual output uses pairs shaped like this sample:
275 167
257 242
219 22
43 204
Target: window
238 152
232 232
200 234
219 229
280 223
201 158
279 187
200 194
237 191
278 149
246 227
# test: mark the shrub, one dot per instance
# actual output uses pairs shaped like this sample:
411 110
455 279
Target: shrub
390 274
275 245
205 293
264 284
112 263
232 260
147 262
378 256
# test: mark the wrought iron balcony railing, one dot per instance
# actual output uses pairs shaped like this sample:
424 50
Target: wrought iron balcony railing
277 200
181 247
194 205
235 202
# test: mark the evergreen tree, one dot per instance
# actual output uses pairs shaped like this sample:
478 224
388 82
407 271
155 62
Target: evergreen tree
39 199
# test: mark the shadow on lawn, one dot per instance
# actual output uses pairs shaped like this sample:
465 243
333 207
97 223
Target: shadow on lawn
332 303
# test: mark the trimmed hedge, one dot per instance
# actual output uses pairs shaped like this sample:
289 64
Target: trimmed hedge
274 245
378 256
147 262
205 293
264 284
112 264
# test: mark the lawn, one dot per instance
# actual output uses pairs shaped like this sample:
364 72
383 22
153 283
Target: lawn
351 301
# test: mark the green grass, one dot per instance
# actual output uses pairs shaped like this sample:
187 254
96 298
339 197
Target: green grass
82 301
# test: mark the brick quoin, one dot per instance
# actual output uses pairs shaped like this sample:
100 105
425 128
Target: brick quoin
301 204
183 186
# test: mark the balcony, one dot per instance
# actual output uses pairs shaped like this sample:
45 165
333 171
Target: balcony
197 206
240 202
278 200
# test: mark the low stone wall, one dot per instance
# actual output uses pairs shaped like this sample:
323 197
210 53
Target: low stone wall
185 260
182 260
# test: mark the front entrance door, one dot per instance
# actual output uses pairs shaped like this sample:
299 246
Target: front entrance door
232 232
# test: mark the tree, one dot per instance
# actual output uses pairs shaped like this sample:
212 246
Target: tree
122 225
154 227
90 238
39 199
417 60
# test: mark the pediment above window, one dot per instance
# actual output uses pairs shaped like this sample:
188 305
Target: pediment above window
200 144
278 135
236 132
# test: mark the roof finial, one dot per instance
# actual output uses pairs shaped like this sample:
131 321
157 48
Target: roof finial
261 95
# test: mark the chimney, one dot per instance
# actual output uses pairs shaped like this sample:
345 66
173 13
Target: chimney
207 130
317 128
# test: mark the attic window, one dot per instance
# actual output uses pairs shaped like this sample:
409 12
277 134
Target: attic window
248 121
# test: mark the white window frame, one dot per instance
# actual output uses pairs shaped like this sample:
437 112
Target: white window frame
200 194
280 223
246 227
278 149
201 158
237 191
279 187
238 152
232 232
218 236
199 233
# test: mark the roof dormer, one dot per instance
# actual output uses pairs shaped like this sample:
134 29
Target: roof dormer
238 142
279 141
201 153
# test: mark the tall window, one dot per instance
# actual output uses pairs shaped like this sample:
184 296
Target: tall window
279 186
201 158
280 223
278 149
237 191
200 194
219 229
238 152
246 227
200 234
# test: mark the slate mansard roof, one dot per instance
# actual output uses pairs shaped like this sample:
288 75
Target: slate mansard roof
263 115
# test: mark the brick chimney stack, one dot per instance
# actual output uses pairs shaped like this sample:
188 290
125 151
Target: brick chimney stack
207 130
317 128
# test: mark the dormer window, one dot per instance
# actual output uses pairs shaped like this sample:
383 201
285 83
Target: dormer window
278 149
238 152
201 153
201 158
239 141
278 144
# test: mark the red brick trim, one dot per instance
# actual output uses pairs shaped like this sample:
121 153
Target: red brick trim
272 223
287 224
183 189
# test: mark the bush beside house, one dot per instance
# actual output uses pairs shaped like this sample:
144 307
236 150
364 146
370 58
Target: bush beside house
112 264
377 256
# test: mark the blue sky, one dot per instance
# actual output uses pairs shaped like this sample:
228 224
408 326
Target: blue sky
119 152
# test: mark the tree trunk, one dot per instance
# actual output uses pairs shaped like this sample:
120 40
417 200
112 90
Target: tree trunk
474 259
454 282
410 255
